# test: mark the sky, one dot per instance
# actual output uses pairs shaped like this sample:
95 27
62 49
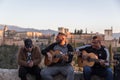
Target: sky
93 15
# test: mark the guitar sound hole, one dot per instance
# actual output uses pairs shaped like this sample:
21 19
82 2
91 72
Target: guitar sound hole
81 61
89 59
55 56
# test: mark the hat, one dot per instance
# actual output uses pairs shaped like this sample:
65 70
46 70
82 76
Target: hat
61 33
28 43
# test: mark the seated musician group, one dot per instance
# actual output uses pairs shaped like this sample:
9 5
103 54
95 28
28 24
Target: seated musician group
58 58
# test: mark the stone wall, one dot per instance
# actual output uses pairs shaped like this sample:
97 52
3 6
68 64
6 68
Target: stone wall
9 74
12 74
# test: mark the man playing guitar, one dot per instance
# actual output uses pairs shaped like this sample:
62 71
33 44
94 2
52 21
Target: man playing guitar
99 68
58 59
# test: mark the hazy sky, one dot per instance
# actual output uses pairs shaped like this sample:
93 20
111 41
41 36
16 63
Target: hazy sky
95 15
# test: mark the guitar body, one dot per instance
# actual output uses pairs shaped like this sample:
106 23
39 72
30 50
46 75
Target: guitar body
54 59
90 63
85 62
89 59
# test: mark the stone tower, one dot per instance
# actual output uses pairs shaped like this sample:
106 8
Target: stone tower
108 34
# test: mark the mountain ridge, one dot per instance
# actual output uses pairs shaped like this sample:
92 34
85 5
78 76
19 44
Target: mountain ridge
45 32
20 29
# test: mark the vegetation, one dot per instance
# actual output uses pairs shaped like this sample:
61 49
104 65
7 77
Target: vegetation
118 49
78 31
8 56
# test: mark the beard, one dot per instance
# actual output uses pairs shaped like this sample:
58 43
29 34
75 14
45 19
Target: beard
58 41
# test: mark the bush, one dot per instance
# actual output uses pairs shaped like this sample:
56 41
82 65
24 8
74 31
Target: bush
8 56
118 49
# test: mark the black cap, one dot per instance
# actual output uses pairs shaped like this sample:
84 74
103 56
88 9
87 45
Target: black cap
28 43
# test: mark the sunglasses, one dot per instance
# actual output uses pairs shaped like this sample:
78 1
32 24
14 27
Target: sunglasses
95 42
30 46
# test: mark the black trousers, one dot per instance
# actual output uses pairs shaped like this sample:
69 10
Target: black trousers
117 73
23 71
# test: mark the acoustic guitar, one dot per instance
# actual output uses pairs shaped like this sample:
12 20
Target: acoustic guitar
56 56
89 59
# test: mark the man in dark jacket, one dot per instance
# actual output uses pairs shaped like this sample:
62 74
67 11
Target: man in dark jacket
101 66
28 60
63 65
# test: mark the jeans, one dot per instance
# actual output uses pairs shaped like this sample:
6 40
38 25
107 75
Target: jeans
106 73
48 72
23 71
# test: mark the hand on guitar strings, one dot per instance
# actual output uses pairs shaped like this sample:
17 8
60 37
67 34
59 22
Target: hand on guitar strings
104 62
49 56
65 57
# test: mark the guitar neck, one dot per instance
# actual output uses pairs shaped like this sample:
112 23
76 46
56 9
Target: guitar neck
105 61
93 60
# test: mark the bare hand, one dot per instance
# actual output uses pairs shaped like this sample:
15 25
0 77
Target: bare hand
65 57
78 53
85 57
30 64
102 62
49 56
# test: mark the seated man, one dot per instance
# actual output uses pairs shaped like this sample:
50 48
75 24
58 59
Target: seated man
28 60
59 56
100 67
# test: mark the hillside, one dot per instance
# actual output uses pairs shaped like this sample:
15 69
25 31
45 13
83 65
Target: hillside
20 29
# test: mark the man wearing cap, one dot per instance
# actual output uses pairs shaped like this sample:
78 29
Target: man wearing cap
63 65
28 60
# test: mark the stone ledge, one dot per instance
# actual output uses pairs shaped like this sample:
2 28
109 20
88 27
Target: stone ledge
12 74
